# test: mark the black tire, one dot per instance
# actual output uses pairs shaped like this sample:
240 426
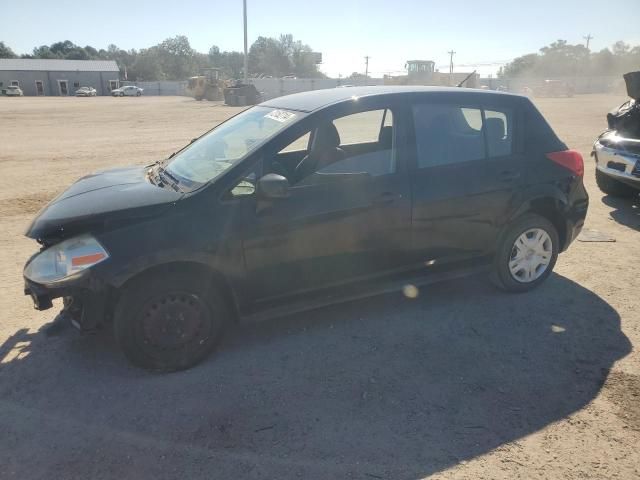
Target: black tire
502 275
138 94
156 311
121 94
613 187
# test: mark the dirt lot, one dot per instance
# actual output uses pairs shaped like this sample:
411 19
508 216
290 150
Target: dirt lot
462 382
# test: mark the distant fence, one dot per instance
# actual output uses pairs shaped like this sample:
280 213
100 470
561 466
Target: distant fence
160 88
581 84
277 87
270 87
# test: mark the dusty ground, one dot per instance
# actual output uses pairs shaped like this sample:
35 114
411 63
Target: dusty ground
463 382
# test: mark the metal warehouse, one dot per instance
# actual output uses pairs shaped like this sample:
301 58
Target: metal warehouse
44 77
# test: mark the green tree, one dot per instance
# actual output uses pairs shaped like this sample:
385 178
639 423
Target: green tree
177 58
44 51
6 52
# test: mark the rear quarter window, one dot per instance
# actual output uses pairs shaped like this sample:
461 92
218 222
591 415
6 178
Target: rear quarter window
499 132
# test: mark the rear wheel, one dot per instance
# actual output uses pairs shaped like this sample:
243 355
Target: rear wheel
122 94
169 322
613 187
138 94
527 254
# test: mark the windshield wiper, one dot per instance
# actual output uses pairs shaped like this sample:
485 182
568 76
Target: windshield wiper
163 174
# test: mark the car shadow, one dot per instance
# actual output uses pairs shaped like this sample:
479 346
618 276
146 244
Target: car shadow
385 387
626 210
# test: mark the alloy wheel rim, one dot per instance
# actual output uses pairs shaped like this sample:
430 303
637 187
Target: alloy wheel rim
530 255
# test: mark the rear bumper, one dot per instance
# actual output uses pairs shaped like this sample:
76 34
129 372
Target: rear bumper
575 214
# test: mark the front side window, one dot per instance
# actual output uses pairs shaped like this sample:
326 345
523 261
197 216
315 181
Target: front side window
361 143
448 134
222 147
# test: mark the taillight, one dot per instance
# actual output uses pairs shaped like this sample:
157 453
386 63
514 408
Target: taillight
569 159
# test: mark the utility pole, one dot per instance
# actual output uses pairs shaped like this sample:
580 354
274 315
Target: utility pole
246 59
451 54
588 39
366 66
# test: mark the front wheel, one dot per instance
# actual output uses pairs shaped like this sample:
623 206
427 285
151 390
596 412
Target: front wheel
122 94
527 254
138 94
169 322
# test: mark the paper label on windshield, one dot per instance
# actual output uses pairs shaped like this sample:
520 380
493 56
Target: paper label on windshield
280 116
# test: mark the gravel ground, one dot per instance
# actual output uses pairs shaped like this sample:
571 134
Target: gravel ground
461 382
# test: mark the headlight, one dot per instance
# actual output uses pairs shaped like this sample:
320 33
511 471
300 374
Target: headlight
65 259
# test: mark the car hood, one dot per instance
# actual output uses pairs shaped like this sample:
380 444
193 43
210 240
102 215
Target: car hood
110 196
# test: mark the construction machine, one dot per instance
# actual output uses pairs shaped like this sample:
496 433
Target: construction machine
208 85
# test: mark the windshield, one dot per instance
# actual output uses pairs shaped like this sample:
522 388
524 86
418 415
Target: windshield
219 149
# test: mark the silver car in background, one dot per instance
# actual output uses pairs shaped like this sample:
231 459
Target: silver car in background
128 90
86 92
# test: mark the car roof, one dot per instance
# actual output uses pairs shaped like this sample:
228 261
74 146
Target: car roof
316 99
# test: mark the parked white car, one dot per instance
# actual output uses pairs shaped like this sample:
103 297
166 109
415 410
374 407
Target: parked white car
14 91
128 90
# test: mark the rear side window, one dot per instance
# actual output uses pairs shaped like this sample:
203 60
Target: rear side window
448 134
499 132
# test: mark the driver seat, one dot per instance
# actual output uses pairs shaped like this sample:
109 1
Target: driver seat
325 150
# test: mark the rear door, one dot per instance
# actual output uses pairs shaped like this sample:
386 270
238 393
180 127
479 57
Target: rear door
347 221
467 169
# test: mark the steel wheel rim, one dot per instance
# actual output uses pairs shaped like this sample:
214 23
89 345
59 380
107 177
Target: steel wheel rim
530 255
174 321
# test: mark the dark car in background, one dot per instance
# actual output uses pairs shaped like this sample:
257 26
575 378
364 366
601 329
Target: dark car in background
306 200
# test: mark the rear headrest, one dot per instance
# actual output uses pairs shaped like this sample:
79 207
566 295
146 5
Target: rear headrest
495 128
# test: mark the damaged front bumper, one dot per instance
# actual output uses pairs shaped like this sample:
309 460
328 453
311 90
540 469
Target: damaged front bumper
85 299
619 159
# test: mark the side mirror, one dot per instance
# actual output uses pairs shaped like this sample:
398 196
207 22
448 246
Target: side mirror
273 186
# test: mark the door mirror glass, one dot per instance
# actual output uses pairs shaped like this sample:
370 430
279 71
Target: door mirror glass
273 185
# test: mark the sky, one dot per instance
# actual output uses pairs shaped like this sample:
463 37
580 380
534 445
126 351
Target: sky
484 34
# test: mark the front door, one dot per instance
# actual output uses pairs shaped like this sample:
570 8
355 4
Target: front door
39 88
348 214
465 175
63 87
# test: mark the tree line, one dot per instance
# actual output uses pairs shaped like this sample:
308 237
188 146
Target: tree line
561 58
175 59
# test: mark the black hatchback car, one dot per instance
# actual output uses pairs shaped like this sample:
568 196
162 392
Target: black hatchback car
306 200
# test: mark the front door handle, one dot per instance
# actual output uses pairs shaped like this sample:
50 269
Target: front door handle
386 197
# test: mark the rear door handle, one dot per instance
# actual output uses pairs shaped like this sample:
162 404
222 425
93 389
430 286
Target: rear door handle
509 175
386 197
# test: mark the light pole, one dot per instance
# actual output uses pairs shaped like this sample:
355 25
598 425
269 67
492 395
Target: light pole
246 60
